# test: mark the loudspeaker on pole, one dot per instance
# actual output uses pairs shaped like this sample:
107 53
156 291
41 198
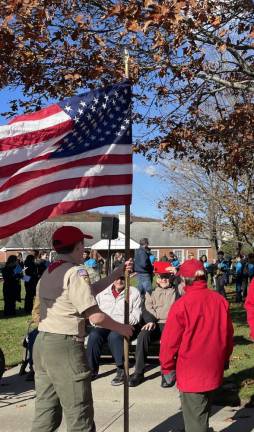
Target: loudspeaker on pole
109 227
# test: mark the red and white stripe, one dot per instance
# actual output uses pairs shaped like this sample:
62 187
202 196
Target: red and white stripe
34 188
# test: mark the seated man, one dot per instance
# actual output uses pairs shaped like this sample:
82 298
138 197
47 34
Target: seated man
157 306
111 301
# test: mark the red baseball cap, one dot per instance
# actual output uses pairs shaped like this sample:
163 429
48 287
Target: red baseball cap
190 267
68 235
162 268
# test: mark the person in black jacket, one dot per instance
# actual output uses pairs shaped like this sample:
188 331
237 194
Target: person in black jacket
143 267
20 266
31 279
42 263
10 285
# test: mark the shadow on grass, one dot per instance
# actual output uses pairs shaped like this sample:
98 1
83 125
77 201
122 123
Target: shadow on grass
19 313
228 394
238 315
241 340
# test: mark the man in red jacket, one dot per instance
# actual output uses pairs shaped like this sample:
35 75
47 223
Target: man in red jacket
196 345
249 306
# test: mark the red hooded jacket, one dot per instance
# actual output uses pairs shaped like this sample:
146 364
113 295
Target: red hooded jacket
249 306
197 339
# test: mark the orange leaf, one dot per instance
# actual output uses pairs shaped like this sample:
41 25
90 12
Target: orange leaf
79 19
222 48
133 26
99 41
148 3
223 32
216 21
116 10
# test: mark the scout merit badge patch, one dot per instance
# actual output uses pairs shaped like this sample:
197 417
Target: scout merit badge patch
83 273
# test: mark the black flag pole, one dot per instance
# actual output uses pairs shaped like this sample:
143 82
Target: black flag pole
127 293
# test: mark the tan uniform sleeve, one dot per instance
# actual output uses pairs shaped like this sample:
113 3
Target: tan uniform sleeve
80 290
149 304
36 307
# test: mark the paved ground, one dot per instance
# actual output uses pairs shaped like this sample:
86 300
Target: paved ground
152 409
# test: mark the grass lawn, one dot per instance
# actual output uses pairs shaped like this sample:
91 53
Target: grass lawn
239 377
12 331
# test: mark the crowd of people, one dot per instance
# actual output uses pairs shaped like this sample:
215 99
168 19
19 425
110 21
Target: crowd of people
237 271
171 304
29 271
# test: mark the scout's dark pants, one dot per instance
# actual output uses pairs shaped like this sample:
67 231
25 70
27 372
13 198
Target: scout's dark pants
62 383
196 411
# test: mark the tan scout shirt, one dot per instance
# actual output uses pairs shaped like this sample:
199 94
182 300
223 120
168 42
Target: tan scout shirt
64 294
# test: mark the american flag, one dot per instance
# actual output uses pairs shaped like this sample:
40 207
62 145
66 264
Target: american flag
71 156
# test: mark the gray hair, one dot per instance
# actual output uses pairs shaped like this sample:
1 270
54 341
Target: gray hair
144 241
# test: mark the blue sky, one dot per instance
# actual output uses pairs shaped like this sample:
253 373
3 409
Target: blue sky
147 187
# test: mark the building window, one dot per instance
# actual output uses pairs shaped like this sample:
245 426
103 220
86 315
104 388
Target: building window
202 252
179 254
155 252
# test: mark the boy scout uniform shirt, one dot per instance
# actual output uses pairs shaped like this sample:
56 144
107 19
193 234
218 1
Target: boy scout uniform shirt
65 294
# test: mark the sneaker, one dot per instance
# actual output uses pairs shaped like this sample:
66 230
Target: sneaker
136 379
119 378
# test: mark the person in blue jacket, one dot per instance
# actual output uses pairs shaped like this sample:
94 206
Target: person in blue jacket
248 274
143 267
239 267
250 266
174 261
221 273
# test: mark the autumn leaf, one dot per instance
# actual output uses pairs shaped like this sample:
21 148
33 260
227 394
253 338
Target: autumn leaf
133 26
222 48
115 10
216 21
148 3
147 24
223 32
99 40
79 19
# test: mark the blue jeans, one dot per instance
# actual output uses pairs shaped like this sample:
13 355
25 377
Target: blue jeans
144 283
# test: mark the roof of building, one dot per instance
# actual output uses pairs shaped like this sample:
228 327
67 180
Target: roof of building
154 231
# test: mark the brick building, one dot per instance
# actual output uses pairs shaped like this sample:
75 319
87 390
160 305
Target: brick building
161 241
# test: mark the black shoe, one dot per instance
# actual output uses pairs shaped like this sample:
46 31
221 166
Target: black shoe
94 375
30 375
164 384
136 379
119 378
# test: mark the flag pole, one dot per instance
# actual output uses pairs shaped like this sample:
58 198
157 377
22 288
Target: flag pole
127 292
